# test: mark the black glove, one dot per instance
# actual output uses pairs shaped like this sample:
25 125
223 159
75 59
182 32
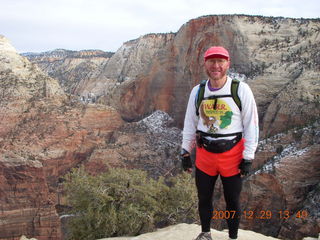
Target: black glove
185 159
245 167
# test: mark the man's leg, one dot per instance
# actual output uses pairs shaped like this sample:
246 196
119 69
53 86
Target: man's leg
232 188
205 186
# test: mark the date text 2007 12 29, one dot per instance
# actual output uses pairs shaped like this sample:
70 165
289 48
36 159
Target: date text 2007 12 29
262 214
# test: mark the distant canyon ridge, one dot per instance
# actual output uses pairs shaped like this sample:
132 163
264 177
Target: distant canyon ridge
63 109
278 57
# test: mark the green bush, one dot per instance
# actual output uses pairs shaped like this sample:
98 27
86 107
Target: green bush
126 202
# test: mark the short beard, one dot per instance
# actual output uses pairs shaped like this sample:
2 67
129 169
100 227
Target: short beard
224 75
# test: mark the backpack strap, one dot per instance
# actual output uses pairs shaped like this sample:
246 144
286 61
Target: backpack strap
199 96
234 93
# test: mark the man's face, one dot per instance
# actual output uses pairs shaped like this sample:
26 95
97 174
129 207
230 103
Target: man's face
216 68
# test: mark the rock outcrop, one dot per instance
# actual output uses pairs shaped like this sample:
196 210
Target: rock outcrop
151 144
190 231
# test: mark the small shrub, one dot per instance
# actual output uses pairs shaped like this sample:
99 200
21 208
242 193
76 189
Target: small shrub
126 202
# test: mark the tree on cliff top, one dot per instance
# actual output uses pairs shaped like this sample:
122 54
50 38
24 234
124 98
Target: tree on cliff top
126 202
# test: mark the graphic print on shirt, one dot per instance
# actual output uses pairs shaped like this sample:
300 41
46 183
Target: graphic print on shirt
215 115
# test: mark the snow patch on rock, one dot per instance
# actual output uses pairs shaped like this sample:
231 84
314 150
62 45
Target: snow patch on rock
157 122
235 75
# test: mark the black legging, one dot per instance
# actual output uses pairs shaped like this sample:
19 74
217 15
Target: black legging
231 189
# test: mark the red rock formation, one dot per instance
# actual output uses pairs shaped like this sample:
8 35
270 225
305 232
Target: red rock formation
26 204
59 139
43 134
157 71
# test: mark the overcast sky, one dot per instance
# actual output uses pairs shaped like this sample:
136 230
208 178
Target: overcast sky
42 25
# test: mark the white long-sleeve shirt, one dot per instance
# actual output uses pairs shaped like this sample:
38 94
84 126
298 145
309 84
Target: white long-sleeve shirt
225 119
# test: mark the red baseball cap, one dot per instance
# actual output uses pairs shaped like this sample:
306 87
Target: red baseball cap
216 51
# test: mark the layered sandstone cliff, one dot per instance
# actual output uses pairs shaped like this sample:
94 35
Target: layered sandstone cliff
78 72
43 133
278 57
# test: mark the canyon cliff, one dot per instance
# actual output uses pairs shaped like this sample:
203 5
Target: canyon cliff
140 95
78 72
278 57
43 133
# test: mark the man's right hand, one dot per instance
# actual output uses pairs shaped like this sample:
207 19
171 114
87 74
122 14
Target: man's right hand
245 167
186 160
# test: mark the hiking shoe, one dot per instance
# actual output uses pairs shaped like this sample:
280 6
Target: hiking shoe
204 236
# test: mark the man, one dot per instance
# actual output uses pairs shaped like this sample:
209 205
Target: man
226 136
